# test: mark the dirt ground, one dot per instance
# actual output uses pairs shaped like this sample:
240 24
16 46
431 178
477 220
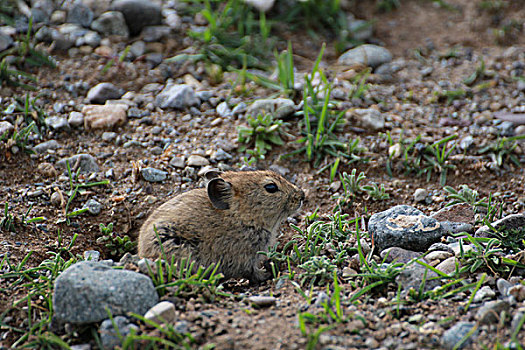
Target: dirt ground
417 26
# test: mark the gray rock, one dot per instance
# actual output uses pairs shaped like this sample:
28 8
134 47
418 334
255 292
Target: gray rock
5 41
137 49
177 96
172 19
102 92
370 119
405 227
204 95
521 84
76 119
91 255
195 160
456 227
178 162
278 107
503 286
84 291
420 195
42 10
510 222
490 311
80 14
454 335
111 23
46 146
466 142
240 108
262 301
224 110
109 136
414 275
155 33
86 162
361 30
57 123
399 255
163 312
484 293
448 265
111 337
138 14
153 175
93 207
221 155
516 321
367 54
6 127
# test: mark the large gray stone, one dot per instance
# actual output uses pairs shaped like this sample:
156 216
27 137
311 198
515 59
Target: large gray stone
138 14
413 276
510 222
111 23
278 107
405 227
454 335
368 55
84 291
177 96
80 14
102 92
86 162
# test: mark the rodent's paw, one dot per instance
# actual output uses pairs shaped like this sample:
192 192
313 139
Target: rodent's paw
260 275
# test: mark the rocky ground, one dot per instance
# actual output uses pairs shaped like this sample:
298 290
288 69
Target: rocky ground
136 128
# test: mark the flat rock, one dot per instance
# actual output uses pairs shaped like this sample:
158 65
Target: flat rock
448 265
163 312
405 227
454 335
138 14
490 311
84 291
57 123
399 255
195 160
102 92
262 301
45 146
461 212
83 161
109 336
368 118
75 119
413 275
177 96
111 23
510 222
278 107
367 54
6 127
104 116
153 175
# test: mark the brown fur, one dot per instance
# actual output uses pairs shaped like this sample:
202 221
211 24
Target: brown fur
227 222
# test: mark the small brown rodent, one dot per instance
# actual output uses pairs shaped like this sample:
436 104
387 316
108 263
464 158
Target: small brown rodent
237 215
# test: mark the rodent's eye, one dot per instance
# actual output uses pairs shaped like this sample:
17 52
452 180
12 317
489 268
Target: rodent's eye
271 188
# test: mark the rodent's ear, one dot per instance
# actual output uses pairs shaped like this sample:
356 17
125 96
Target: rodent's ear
212 174
220 193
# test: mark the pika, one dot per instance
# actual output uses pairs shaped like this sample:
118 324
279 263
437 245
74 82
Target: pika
237 215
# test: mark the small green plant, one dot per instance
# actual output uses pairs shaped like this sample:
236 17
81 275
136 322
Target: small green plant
360 85
465 195
502 150
478 75
317 270
115 61
262 132
377 193
449 96
19 138
436 158
76 187
8 222
285 83
182 278
233 34
117 245
387 5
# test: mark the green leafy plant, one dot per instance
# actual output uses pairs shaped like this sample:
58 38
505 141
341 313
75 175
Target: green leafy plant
262 132
19 138
117 245
478 75
360 85
436 158
377 193
317 270
233 34
76 187
465 195
285 82
502 150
